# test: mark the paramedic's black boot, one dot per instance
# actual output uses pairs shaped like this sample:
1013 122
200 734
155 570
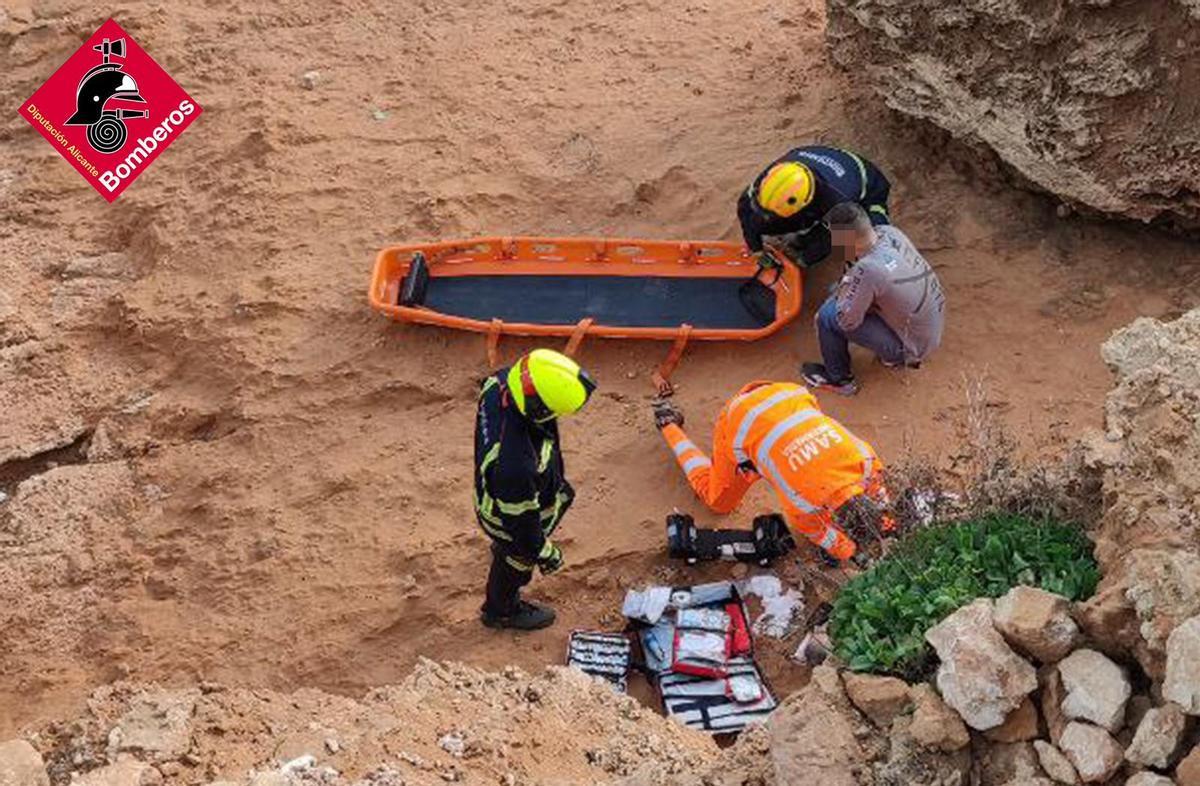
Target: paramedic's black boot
526 616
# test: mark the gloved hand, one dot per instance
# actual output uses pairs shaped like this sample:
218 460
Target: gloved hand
550 558
666 413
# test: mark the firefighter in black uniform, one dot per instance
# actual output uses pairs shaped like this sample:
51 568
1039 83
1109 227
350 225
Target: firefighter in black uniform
790 198
521 492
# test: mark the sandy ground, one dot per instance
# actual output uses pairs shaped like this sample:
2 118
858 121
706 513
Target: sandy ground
253 478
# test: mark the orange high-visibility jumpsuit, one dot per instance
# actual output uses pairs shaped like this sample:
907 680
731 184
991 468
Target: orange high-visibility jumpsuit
776 430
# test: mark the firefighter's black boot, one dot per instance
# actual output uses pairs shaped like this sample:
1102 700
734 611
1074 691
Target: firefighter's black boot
525 616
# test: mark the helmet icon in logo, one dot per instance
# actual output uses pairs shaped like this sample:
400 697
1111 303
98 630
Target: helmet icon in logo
106 131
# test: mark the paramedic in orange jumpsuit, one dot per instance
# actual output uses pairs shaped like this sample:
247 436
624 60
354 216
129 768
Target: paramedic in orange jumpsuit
776 431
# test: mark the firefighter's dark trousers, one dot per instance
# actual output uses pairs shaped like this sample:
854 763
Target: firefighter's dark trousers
508 574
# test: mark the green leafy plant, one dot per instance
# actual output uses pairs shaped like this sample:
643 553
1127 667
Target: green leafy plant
880 617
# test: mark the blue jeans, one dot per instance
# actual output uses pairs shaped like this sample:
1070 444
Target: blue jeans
873 333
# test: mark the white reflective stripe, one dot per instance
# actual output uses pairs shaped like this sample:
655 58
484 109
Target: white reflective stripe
766 462
829 539
696 462
743 432
684 447
868 459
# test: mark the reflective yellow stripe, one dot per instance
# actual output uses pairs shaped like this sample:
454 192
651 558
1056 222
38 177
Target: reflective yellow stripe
547 454
517 508
521 565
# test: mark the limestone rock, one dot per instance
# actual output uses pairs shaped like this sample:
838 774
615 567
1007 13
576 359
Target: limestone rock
879 698
1006 764
1052 698
1020 726
1096 689
934 724
1092 750
1158 737
979 676
1182 682
1188 771
1037 623
1149 779
126 772
1056 765
158 724
1094 135
21 765
813 734
1135 712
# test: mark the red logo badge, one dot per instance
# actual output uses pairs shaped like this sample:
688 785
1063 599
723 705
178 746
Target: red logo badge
110 110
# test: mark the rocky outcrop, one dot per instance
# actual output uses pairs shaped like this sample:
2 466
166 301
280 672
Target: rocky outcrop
1157 737
1148 540
979 676
1095 755
1037 623
21 765
1096 689
1091 101
1182 682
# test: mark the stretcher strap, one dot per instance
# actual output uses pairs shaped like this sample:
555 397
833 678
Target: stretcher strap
577 336
493 343
662 377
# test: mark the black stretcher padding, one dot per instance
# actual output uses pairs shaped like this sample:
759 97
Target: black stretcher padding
615 301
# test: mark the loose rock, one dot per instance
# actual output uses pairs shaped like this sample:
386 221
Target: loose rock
1096 689
1093 751
1037 623
310 79
934 724
1149 779
1052 697
980 676
879 698
1020 726
1158 737
1182 682
126 772
21 765
158 724
1056 765
1188 771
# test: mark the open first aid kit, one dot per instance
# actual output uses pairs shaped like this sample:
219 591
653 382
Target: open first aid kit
699 654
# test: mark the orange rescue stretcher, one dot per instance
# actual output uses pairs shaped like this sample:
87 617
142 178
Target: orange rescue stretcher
579 287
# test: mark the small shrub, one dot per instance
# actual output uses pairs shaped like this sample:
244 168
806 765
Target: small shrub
880 617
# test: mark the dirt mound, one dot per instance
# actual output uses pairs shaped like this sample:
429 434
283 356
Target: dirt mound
1086 100
445 723
1148 542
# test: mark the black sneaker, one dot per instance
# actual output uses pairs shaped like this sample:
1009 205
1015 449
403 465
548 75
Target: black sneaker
816 376
527 616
